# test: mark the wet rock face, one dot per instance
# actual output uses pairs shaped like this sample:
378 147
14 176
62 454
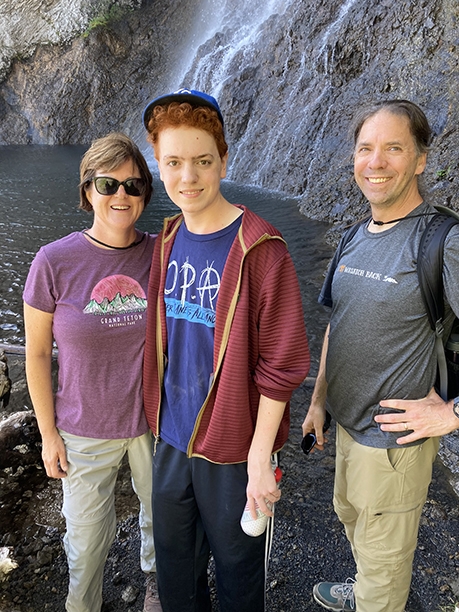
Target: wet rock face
288 83
75 92
322 62
19 440
26 23
5 381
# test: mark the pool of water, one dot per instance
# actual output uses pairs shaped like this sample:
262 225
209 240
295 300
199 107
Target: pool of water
39 195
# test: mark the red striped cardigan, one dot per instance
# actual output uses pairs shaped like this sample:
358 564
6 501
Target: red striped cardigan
260 344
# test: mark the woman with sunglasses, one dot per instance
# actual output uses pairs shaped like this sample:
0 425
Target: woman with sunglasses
87 292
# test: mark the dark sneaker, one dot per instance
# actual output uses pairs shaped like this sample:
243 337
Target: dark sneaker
151 603
335 596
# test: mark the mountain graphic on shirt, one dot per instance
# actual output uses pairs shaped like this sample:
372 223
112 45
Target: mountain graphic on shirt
115 295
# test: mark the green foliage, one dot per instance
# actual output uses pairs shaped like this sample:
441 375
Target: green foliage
443 174
114 13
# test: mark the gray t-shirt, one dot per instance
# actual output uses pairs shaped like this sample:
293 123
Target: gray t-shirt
381 345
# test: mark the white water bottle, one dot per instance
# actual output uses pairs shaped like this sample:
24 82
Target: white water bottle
255 527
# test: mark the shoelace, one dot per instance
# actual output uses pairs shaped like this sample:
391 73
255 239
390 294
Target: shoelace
347 591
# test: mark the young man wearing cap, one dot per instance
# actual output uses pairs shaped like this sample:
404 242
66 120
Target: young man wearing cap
226 346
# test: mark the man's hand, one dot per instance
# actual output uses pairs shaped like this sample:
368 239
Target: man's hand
424 418
314 422
315 417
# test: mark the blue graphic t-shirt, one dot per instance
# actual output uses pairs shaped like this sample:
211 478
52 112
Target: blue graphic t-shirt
190 295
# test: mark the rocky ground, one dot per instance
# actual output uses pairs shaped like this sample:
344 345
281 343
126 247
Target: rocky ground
309 543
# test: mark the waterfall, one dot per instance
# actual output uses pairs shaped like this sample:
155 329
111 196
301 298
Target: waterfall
221 30
240 24
245 40
331 30
289 75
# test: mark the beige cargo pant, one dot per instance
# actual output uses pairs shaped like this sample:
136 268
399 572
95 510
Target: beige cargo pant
379 495
89 511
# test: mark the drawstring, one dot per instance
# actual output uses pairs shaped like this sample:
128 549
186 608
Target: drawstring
270 525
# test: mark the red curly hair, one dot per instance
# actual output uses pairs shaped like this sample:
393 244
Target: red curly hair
183 114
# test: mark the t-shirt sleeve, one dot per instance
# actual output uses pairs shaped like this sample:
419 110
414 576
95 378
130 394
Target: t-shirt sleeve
325 296
39 285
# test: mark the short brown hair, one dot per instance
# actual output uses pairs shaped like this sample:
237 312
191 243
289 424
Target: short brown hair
106 154
183 114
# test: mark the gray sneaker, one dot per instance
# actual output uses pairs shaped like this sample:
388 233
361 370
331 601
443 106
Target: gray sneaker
335 596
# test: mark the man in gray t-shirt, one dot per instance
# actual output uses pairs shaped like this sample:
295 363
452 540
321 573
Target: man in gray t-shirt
378 365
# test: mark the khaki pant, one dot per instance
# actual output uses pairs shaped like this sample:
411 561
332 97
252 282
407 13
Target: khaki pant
89 510
379 495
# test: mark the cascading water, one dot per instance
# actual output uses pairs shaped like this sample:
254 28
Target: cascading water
332 29
289 76
220 33
244 63
234 31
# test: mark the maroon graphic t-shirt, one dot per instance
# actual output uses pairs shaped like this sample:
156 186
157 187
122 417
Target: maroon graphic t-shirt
98 299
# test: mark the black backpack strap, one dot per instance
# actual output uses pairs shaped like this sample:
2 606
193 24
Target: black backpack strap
430 266
430 275
325 296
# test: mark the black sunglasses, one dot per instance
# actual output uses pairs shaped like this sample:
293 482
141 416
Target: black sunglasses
106 185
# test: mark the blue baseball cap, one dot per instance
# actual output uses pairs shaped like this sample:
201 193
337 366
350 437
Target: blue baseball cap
192 96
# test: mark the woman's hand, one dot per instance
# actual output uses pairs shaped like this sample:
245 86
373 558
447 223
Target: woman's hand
54 456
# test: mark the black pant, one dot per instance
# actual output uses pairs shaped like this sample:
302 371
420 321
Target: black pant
197 506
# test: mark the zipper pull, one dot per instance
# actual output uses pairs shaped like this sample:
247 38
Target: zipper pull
155 444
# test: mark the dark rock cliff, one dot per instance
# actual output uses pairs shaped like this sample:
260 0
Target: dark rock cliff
288 74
